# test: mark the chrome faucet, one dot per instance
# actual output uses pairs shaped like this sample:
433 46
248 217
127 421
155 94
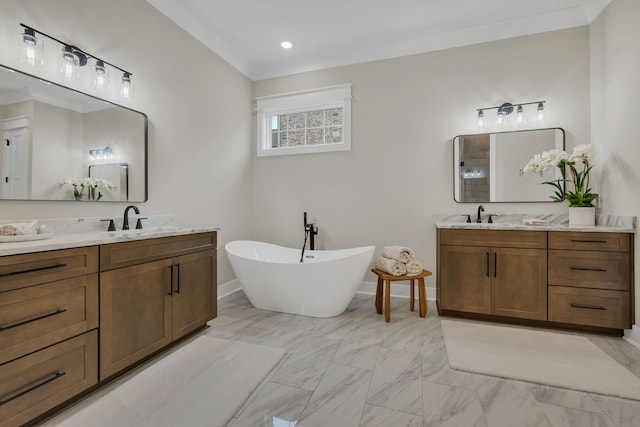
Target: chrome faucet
125 221
480 209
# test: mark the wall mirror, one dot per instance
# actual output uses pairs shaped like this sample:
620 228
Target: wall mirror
51 133
486 166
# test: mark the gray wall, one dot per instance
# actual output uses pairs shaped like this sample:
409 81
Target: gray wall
615 111
199 111
405 113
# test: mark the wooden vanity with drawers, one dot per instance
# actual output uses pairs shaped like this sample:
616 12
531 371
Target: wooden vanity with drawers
71 319
565 279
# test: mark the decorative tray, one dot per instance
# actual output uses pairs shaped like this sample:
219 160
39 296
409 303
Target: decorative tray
25 237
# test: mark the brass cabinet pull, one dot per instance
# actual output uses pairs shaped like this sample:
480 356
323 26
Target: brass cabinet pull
590 307
32 319
49 267
29 389
588 269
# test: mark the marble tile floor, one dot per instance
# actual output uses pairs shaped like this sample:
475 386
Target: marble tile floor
355 370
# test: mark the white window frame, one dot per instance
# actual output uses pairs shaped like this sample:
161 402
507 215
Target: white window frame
302 101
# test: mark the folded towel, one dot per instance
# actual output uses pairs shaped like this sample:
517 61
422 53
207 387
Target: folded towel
534 221
413 268
399 253
390 266
19 228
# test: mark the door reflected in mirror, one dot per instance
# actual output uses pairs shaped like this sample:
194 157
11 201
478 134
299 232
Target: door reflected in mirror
49 135
486 166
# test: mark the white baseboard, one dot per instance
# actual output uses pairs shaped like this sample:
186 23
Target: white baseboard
397 290
632 336
228 288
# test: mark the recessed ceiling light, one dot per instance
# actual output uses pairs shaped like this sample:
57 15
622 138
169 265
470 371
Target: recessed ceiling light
286 45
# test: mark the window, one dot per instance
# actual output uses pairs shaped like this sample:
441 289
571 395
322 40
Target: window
312 121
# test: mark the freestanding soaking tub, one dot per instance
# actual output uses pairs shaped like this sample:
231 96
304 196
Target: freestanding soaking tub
273 278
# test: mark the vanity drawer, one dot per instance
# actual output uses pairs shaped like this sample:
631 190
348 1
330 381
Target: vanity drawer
118 255
494 238
609 242
35 317
591 307
33 384
599 270
19 271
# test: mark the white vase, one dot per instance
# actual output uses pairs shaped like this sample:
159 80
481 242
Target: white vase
582 216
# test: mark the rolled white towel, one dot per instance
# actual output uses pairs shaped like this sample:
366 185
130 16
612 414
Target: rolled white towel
19 228
413 268
399 253
391 266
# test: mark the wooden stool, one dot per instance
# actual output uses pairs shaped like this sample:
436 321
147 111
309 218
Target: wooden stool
422 296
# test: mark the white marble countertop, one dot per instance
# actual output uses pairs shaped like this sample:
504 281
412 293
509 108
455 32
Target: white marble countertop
604 223
79 232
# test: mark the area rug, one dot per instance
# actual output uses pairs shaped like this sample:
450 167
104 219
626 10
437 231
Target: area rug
549 358
203 383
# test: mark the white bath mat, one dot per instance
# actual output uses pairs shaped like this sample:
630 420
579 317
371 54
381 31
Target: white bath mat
203 383
549 358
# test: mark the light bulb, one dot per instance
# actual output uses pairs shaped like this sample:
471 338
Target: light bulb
540 115
481 121
32 48
68 64
520 115
126 90
101 76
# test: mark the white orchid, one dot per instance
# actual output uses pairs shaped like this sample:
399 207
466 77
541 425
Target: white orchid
91 184
582 195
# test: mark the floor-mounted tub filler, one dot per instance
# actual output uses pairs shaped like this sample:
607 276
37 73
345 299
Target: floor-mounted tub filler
273 278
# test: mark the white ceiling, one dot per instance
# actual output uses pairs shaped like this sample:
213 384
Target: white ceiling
329 33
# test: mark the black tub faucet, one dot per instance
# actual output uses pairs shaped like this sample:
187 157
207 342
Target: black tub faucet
125 221
479 218
312 230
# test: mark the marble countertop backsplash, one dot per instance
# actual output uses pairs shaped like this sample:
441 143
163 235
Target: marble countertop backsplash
555 222
78 232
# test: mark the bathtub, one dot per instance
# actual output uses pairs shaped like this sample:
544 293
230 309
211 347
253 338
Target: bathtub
273 278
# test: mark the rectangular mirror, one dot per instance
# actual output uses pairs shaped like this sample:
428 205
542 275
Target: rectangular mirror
486 166
51 133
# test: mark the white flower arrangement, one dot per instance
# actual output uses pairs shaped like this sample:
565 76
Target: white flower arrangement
92 185
581 196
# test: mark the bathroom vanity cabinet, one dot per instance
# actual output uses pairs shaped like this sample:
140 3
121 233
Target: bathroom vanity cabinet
494 272
153 292
557 278
72 318
589 279
48 330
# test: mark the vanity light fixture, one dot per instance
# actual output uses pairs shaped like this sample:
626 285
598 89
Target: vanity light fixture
101 154
504 110
70 60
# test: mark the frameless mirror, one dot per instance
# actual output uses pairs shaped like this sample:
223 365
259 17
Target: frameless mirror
486 166
51 133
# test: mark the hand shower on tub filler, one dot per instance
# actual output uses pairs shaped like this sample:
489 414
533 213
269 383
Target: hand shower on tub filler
310 230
